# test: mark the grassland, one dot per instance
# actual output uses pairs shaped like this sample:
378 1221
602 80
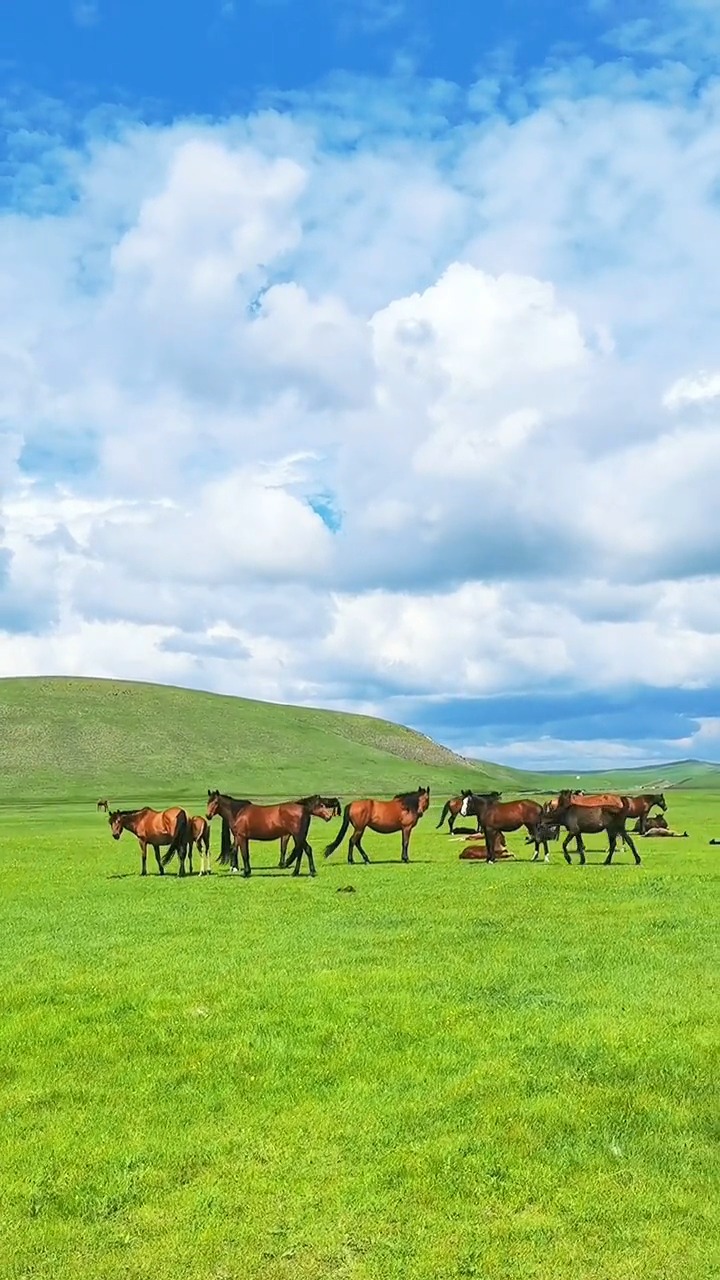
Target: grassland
453 1071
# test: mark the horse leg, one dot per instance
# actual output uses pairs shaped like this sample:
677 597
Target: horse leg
244 845
282 864
190 853
566 852
311 860
405 843
613 841
158 859
359 846
143 857
490 837
629 840
581 847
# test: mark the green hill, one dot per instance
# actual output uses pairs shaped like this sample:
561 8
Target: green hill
81 739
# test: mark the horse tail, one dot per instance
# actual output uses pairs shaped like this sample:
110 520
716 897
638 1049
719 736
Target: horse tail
444 814
181 838
226 843
341 833
208 830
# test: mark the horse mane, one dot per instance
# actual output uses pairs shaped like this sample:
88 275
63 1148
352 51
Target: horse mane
236 804
410 799
308 802
129 813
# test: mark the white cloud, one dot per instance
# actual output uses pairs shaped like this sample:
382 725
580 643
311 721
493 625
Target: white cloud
455 351
693 389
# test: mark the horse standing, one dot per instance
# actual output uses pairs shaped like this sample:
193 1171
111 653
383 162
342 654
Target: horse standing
157 828
103 804
582 819
510 815
402 813
243 821
454 806
200 836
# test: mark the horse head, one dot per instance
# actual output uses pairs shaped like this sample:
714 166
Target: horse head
116 824
213 804
423 799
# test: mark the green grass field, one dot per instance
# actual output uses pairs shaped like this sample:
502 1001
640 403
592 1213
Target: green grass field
455 1071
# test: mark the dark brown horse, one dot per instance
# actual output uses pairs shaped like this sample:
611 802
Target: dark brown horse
581 819
103 804
200 836
243 821
157 828
402 813
510 815
454 806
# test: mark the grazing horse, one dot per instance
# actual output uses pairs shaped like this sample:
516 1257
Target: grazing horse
402 813
151 827
454 806
200 836
509 816
103 804
243 821
581 819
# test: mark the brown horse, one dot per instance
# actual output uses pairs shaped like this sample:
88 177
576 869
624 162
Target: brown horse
200 836
325 807
402 813
454 806
103 804
152 827
639 806
508 816
582 819
243 821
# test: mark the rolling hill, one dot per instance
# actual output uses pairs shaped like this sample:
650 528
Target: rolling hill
79 739
82 739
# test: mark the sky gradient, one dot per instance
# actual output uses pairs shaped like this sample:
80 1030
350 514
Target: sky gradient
367 355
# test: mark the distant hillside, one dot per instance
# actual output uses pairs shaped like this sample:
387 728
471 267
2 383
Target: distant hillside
136 743
696 775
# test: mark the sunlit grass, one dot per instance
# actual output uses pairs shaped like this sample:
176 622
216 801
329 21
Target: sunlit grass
453 1071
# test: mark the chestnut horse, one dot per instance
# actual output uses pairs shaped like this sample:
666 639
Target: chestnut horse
582 819
151 827
200 836
454 806
325 807
638 806
243 821
402 813
508 816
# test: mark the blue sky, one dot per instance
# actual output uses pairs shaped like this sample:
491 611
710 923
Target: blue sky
365 354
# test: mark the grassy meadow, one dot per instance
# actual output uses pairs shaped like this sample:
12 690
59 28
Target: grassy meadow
453 1071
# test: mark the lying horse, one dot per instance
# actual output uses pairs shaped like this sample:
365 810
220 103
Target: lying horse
200 836
454 806
508 816
582 819
169 827
243 821
402 813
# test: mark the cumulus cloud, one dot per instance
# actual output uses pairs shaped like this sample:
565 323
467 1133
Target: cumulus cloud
408 418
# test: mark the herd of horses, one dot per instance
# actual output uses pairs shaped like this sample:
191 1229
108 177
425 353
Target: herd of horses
242 821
